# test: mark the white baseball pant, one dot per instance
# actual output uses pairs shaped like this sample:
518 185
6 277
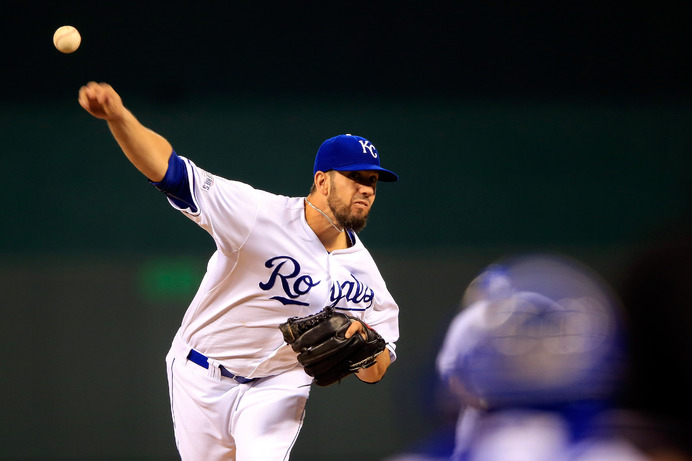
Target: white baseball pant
216 418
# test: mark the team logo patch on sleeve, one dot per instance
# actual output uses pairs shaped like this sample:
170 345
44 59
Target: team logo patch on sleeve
208 181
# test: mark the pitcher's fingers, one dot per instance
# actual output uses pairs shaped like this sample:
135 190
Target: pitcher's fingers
354 328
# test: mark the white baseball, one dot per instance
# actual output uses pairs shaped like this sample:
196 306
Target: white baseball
67 39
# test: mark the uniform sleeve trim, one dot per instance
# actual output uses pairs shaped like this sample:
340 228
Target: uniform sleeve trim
178 185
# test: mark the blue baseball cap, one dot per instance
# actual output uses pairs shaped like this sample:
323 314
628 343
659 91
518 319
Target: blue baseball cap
350 153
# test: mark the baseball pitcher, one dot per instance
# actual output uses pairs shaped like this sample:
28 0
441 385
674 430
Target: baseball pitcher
290 296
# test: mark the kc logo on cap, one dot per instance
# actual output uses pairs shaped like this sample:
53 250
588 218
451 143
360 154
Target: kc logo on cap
351 153
368 145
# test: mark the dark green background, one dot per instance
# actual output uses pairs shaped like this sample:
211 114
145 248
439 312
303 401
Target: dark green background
530 126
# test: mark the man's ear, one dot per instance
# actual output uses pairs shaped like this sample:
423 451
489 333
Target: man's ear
322 182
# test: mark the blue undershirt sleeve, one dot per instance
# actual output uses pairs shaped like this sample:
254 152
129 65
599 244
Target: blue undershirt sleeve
176 184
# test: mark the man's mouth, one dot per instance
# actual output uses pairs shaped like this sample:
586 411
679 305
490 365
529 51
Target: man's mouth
364 204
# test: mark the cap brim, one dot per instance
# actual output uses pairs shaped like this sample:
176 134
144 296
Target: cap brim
385 175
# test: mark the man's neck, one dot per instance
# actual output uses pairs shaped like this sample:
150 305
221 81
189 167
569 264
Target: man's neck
323 226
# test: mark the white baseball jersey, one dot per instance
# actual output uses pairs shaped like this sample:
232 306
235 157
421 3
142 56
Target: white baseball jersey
269 265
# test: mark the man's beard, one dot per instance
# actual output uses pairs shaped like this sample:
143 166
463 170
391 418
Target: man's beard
343 215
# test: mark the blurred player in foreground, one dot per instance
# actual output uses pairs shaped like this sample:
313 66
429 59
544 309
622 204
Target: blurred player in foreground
237 391
536 357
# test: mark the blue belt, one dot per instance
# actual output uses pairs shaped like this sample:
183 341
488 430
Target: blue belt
202 361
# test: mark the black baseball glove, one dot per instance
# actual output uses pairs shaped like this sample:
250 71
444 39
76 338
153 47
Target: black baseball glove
323 350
